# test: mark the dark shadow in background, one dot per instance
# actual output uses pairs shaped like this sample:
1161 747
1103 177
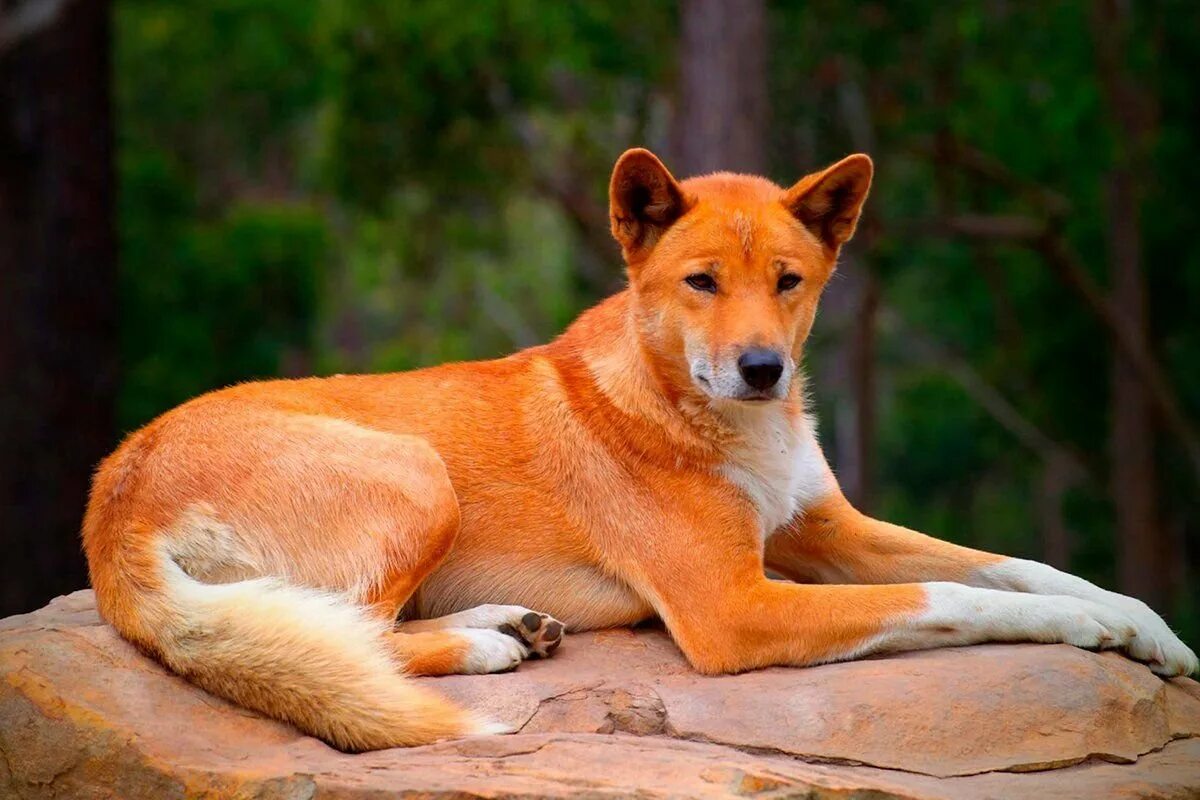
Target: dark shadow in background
58 289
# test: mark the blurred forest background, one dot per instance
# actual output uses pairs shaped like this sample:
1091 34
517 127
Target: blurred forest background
193 194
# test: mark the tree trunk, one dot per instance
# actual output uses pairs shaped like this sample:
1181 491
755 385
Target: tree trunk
1143 568
58 291
847 373
856 417
722 119
1056 478
862 349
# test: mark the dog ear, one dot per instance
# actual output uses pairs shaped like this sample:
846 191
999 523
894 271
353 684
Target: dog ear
644 199
829 202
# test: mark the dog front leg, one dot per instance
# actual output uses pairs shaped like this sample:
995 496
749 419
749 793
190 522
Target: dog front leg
761 622
833 542
726 616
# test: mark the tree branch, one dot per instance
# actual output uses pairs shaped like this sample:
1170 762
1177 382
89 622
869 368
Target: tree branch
999 227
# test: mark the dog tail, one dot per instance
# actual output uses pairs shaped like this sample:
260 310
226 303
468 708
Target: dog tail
310 658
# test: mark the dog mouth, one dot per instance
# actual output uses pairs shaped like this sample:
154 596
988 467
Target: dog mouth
755 397
740 394
752 397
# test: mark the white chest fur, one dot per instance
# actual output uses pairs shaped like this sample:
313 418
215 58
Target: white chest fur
778 464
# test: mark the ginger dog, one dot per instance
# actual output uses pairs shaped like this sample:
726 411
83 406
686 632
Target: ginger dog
262 540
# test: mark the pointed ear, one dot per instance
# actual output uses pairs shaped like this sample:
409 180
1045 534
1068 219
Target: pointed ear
644 199
829 202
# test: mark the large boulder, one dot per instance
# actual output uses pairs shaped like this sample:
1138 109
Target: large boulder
617 713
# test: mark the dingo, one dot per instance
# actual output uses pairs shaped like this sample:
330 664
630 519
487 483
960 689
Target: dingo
263 539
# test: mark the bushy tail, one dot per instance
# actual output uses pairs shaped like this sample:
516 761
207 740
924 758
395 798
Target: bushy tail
306 657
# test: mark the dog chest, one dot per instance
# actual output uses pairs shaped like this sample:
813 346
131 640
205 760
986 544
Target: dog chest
780 467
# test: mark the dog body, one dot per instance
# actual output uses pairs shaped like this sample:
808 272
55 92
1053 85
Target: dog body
652 461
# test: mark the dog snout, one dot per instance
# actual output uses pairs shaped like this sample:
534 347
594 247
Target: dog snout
760 368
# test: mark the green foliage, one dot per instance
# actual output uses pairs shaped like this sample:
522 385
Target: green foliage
239 301
404 149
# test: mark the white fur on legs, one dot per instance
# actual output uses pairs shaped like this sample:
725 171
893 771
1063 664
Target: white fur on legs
491 651
540 633
1154 642
958 615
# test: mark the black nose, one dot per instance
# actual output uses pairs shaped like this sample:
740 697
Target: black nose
760 368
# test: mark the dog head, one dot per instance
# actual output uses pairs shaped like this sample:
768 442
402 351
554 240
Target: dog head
726 270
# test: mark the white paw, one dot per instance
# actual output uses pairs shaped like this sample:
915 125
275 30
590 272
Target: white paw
541 633
1015 617
491 651
1155 643
1129 625
1087 624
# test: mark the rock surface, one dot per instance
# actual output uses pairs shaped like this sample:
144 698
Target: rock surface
617 713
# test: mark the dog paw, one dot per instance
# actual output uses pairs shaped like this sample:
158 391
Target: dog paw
1132 628
541 633
1170 659
1086 624
1156 644
490 651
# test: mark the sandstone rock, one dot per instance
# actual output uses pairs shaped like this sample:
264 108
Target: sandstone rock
82 714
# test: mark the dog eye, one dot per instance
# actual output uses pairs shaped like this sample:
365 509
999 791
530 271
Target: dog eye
702 282
788 281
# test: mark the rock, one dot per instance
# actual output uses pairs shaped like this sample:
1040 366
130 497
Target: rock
83 714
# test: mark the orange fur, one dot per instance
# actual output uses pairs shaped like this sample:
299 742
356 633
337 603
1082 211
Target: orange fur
241 537
431 652
833 542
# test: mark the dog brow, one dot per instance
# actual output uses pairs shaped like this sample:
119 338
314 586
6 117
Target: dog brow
745 231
